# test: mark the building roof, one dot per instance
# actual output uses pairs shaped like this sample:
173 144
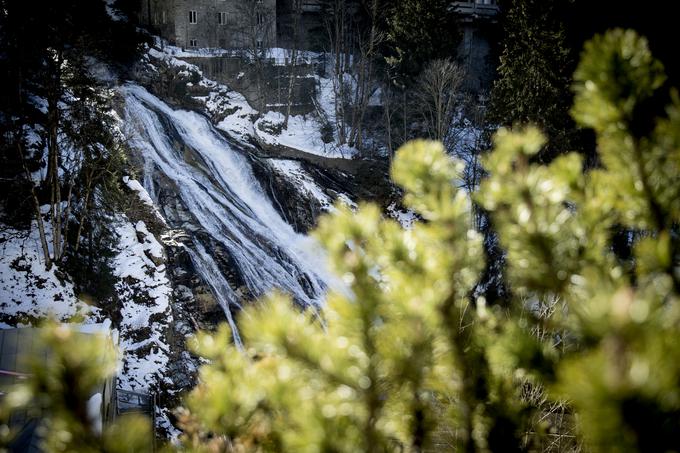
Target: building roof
476 9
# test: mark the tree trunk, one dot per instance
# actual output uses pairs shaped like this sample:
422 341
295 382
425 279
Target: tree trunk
83 214
365 73
36 206
54 96
388 121
293 61
67 216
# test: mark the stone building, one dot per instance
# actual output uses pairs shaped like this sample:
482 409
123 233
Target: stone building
226 24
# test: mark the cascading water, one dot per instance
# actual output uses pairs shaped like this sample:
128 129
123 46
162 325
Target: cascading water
217 186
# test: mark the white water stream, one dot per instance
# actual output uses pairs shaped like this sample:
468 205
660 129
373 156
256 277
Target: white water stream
217 186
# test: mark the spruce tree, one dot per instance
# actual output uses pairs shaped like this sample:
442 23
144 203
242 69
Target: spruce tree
534 73
419 31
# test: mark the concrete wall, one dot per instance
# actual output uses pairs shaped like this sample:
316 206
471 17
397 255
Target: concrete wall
477 58
311 31
476 54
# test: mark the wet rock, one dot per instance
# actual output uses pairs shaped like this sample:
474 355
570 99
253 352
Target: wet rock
182 293
207 303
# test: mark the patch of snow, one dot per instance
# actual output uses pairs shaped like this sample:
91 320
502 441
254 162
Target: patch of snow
94 411
189 53
303 134
163 422
293 170
406 217
171 60
39 103
97 328
143 195
281 57
276 55
32 137
113 12
376 98
344 199
238 121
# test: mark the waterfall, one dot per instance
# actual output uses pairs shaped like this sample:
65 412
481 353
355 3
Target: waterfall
216 184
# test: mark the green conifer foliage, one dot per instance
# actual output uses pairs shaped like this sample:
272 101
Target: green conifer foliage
408 361
419 31
66 371
621 372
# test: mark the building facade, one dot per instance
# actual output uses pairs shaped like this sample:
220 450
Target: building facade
478 24
226 24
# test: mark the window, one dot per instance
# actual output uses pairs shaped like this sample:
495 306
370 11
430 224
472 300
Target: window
165 17
192 17
221 18
259 44
193 43
260 18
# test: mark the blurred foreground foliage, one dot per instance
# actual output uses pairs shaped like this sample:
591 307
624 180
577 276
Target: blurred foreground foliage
409 359
66 370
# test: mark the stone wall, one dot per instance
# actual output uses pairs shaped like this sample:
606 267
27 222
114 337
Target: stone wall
272 94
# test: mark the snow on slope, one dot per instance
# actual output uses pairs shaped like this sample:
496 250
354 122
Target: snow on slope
27 289
145 291
405 217
143 195
293 170
238 114
276 55
303 133
29 292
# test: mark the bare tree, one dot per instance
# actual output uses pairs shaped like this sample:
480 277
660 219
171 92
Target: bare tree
396 100
437 91
388 113
255 31
367 44
36 204
292 63
337 28
353 47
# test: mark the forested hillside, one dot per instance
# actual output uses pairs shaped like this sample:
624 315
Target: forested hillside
339 226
